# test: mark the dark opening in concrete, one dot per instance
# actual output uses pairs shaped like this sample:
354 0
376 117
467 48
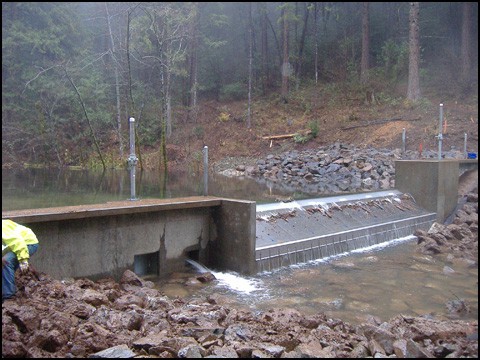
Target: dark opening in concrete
146 264
193 254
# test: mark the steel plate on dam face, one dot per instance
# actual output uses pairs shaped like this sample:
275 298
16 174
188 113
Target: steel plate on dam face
281 223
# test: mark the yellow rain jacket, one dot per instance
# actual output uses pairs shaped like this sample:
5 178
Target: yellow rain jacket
15 238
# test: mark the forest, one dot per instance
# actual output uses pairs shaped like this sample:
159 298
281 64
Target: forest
74 73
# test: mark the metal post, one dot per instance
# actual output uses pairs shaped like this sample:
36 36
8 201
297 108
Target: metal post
440 136
465 155
205 170
403 142
132 159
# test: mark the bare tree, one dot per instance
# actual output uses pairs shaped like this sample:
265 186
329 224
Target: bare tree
169 33
193 63
301 45
265 58
94 138
115 61
413 92
286 60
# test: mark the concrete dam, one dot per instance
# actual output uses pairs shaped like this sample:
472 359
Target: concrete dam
316 228
156 236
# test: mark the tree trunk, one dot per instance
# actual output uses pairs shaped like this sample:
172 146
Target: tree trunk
265 72
168 101
250 61
132 103
315 34
302 45
117 84
364 66
466 66
286 62
193 66
413 92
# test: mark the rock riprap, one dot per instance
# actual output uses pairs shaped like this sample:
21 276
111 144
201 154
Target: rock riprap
332 169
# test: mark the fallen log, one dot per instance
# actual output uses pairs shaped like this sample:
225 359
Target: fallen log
376 122
285 136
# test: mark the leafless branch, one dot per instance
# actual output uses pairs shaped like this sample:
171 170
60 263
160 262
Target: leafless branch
40 73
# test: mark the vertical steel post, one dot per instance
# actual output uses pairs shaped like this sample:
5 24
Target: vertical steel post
205 170
465 155
440 136
132 159
403 142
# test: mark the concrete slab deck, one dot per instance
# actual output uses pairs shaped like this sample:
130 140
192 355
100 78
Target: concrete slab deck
109 208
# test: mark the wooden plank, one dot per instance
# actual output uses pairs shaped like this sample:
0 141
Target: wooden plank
285 136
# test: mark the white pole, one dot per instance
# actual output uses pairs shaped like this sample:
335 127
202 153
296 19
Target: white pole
132 159
440 136
205 170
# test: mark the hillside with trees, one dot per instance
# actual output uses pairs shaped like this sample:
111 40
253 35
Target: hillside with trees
244 79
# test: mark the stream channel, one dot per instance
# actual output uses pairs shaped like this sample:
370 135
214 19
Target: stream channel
381 281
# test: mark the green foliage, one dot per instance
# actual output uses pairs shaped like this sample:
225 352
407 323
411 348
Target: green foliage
195 163
199 132
387 99
313 126
42 119
302 139
394 57
224 116
235 91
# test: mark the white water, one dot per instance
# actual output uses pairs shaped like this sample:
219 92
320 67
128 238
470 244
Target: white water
238 283
381 280
246 285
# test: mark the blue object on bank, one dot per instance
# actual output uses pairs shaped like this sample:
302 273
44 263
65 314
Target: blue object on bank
472 155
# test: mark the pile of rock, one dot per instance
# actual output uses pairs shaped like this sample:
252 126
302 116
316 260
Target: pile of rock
82 318
457 241
332 169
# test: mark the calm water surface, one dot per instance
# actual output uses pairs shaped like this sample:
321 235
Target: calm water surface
39 188
382 281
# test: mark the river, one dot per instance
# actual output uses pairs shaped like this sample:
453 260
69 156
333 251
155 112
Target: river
381 281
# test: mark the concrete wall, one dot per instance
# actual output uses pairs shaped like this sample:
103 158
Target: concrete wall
467 165
233 244
104 240
432 183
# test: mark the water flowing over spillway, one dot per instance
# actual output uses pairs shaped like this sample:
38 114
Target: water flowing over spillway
300 231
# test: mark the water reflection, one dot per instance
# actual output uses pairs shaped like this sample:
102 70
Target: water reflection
38 188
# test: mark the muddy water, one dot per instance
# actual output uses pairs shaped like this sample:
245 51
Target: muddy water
382 281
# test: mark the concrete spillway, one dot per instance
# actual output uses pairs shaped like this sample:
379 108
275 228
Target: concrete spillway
300 231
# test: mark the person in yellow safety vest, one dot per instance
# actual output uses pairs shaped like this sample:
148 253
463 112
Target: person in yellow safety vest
18 244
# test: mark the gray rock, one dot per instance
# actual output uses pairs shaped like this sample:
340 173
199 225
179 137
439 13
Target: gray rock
118 352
